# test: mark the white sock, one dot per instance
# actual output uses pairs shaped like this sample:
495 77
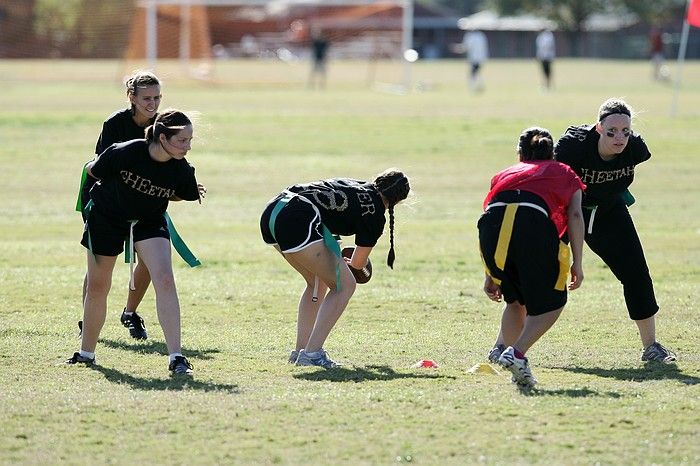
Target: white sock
128 313
174 355
87 354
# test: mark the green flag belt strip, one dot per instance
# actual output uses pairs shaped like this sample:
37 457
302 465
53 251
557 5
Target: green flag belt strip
627 198
83 177
176 240
328 238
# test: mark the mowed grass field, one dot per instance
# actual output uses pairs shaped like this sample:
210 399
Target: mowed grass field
259 129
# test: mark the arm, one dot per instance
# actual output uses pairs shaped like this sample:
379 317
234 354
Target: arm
575 228
359 257
89 167
492 290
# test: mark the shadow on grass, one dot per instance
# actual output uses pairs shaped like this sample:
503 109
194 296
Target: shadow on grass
569 392
651 371
157 347
363 374
176 382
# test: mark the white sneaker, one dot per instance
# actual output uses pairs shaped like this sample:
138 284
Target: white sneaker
317 358
520 368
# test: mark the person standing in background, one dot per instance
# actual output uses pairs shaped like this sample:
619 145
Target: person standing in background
545 52
476 46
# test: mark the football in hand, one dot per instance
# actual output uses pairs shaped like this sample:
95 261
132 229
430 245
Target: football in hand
361 275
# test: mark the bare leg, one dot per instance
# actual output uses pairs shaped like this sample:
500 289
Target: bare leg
647 330
99 281
317 259
535 327
512 323
155 253
141 281
308 309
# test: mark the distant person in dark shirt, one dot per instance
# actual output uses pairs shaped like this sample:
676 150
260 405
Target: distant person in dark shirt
137 179
319 52
300 223
144 94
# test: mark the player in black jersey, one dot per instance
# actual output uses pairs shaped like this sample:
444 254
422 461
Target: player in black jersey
604 156
137 179
143 90
301 223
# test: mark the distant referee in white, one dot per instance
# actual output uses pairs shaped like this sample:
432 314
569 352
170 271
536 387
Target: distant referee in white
546 51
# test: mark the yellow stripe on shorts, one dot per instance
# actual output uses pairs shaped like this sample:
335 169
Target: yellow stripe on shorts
486 268
504 236
564 265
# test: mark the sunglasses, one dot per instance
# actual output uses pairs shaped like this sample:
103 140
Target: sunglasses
625 133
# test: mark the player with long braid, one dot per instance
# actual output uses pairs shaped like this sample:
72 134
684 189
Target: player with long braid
302 222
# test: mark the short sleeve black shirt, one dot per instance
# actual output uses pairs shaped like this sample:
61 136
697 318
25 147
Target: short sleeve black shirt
119 127
348 207
133 186
605 180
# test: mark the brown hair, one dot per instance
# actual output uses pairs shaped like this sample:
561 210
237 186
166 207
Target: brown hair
535 144
394 186
614 106
170 122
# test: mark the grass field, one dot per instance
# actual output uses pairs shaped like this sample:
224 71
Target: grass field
260 130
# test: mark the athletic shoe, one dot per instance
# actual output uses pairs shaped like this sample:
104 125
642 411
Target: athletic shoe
520 368
293 356
318 358
135 324
77 358
657 352
180 365
495 353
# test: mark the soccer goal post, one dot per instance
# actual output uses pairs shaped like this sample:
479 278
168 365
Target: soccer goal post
194 30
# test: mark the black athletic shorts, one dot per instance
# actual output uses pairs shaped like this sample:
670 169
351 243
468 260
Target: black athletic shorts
108 235
297 225
536 262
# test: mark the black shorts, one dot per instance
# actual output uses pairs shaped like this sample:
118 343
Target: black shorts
108 235
536 262
297 225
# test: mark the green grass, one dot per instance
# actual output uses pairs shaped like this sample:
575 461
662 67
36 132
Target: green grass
259 130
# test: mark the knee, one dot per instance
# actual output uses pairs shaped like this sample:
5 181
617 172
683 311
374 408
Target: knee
163 281
98 287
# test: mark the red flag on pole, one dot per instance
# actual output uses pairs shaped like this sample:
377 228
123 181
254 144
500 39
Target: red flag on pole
694 13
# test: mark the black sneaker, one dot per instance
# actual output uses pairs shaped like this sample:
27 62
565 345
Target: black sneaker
77 358
180 365
135 324
658 353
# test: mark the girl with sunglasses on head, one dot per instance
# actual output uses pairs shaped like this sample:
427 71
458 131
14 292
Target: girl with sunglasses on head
301 223
143 93
605 155
137 179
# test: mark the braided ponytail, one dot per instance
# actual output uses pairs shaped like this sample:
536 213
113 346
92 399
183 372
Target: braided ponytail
393 185
392 255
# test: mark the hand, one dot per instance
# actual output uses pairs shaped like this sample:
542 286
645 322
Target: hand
576 276
202 191
492 290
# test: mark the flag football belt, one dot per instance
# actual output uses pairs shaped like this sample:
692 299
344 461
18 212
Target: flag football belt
328 238
506 230
175 238
627 198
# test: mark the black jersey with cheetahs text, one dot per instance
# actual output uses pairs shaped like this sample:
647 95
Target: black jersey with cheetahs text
605 180
348 207
133 186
